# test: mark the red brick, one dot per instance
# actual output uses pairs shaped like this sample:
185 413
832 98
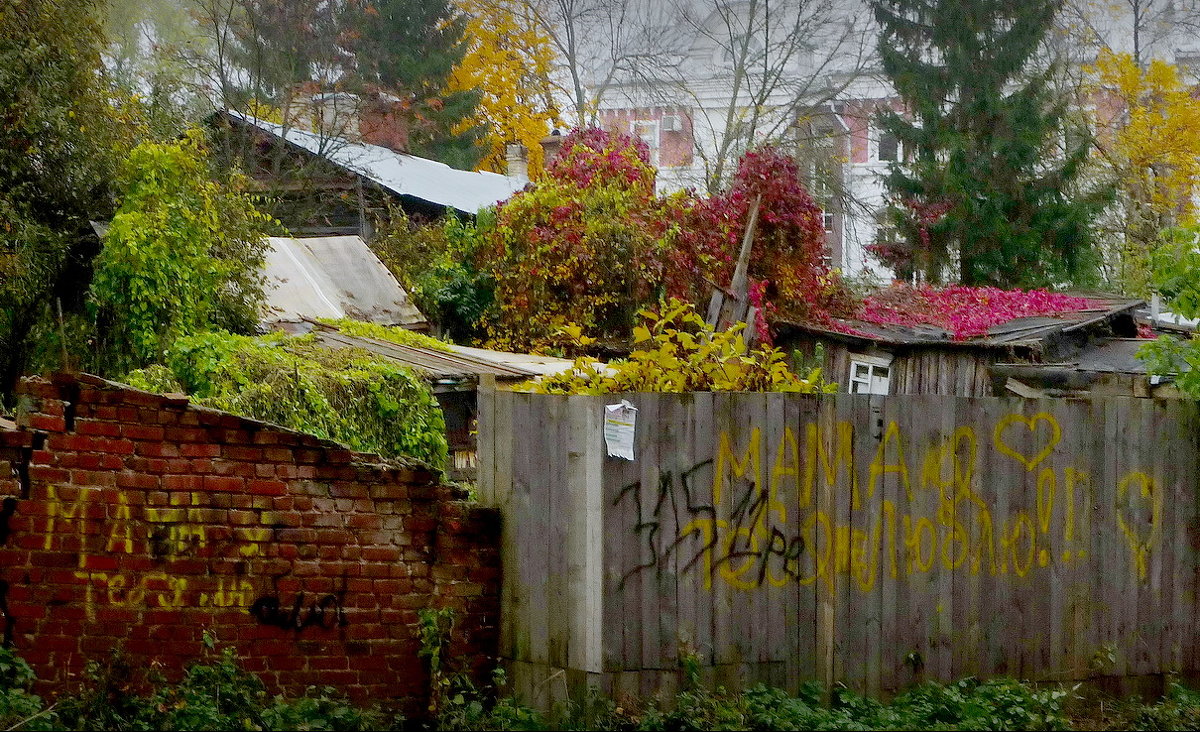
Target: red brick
266 487
151 432
223 483
182 482
129 479
199 449
45 422
96 427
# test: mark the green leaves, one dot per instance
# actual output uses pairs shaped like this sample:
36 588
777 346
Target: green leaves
678 353
348 395
182 254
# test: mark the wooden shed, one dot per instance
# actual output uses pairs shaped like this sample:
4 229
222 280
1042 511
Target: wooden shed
864 357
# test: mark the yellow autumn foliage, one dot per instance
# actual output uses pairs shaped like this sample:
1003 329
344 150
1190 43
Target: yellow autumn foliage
509 61
1151 149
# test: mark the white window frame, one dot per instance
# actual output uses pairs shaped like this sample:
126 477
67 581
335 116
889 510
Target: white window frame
651 138
877 138
871 381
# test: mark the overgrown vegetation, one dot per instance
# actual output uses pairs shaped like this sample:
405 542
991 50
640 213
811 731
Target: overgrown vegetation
216 693
348 395
676 351
1175 264
436 264
399 336
181 256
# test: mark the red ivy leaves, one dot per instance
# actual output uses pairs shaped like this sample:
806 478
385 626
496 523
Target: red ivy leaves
966 312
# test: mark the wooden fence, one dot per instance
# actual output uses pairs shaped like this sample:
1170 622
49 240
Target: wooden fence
870 540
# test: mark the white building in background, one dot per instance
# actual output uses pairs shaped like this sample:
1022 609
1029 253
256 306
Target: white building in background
678 94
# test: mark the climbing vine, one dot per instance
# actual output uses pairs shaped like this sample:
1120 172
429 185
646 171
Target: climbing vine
966 312
182 254
591 243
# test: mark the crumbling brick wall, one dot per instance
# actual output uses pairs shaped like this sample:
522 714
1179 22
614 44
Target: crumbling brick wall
138 521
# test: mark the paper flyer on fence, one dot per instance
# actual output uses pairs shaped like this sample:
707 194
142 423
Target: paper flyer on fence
619 421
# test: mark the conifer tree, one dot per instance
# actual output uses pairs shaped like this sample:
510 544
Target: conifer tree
409 48
987 176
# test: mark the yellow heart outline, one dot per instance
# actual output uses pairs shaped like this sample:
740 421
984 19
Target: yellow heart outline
1030 424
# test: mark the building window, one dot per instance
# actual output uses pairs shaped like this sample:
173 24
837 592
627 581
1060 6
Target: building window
647 131
888 149
869 374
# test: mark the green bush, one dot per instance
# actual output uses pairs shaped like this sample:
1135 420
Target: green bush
436 264
348 395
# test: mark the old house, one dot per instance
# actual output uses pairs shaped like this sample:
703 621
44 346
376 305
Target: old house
869 358
321 183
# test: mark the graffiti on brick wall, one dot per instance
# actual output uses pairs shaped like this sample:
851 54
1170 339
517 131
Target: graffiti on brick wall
123 554
762 514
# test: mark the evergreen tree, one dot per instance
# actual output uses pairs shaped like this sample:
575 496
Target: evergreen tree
986 175
409 48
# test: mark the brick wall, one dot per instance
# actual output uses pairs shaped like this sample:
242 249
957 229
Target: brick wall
137 521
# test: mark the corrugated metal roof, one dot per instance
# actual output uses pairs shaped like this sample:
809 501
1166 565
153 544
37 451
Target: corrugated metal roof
333 277
405 175
1016 332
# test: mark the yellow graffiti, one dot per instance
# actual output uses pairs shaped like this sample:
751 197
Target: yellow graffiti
169 533
940 523
230 592
1139 545
831 467
880 466
1030 423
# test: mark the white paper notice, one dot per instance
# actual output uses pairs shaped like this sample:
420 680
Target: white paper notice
619 421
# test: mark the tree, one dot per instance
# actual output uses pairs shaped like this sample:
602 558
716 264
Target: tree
409 49
776 62
582 246
983 182
1148 150
182 255
509 61
1144 29
57 137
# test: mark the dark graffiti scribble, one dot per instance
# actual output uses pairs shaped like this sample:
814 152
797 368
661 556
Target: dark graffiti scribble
748 516
326 612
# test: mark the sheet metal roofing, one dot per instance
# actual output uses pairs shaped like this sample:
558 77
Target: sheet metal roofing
1016 332
459 363
405 175
333 277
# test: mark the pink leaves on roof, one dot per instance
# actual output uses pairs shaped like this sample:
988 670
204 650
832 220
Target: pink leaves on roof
967 312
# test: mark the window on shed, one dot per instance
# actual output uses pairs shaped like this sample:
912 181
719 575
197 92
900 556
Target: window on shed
869 374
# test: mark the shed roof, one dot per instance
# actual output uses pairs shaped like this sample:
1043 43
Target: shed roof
1104 356
1026 331
459 363
404 175
333 277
